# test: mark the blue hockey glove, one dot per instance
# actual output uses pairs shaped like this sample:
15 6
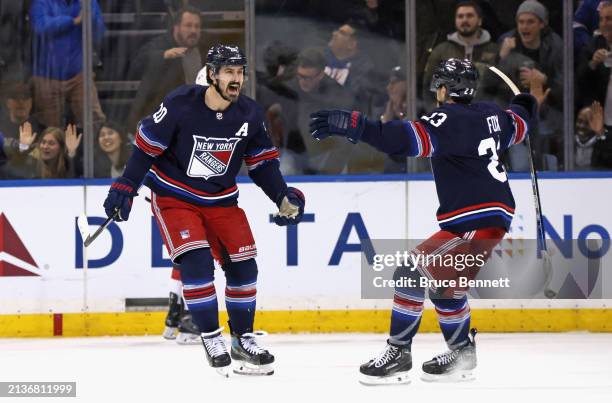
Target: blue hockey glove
120 196
337 123
290 208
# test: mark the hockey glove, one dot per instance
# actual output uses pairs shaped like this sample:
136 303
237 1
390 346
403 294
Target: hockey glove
337 123
120 197
528 102
290 208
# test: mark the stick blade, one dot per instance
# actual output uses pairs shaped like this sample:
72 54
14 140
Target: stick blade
83 228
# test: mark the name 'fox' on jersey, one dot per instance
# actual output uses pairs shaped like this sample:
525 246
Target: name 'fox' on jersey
463 141
194 153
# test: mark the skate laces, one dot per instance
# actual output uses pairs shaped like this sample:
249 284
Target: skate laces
215 345
385 356
447 357
249 342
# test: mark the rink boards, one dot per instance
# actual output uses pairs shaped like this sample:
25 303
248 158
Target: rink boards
309 276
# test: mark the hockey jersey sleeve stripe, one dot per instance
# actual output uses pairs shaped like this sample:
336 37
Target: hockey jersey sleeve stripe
147 145
264 155
520 128
423 139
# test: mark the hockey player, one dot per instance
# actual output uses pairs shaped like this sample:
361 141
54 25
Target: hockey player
189 153
462 139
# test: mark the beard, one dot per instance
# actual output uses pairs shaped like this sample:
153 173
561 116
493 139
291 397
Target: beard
225 94
189 40
466 30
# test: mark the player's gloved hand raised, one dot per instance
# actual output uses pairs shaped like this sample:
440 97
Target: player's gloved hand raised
290 207
327 123
119 198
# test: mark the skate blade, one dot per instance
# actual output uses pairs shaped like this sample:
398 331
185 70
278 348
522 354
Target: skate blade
245 368
223 371
400 378
169 333
187 339
465 375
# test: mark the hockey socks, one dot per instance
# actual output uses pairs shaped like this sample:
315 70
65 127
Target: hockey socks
197 272
240 295
407 308
454 318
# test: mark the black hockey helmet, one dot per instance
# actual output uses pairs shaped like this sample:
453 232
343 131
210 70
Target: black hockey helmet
460 78
225 55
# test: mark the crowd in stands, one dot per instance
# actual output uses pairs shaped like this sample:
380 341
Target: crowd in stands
346 54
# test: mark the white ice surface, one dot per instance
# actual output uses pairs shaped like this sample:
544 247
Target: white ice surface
570 367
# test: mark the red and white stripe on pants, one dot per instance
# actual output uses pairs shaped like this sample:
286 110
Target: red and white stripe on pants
448 246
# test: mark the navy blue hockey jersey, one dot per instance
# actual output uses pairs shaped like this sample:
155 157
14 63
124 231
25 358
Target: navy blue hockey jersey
463 142
194 153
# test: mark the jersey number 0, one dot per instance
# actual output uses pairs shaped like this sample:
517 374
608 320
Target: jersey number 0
495 167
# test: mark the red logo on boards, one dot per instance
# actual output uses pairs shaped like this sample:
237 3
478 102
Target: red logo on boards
15 260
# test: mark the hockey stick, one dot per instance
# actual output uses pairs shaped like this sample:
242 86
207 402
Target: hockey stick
83 225
546 261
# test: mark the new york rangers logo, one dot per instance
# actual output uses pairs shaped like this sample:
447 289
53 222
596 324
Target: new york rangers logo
210 156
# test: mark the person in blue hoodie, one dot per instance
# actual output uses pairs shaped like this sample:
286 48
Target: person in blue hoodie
57 59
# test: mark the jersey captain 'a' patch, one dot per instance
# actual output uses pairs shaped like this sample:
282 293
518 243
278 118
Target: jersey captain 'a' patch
210 156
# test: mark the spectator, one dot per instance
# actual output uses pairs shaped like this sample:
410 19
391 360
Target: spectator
594 83
590 138
167 61
532 53
469 41
54 155
57 72
532 56
593 75
351 68
314 90
586 20
115 149
18 103
13 152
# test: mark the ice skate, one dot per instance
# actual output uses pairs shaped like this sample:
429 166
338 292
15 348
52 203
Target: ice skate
250 357
216 351
175 309
188 332
454 365
390 367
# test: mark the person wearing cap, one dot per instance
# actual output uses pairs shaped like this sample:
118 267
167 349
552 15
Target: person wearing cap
532 56
469 41
532 52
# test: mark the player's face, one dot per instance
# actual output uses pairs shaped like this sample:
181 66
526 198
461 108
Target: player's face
187 32
228 82
529 27
605 22
49 147
467 21
109 140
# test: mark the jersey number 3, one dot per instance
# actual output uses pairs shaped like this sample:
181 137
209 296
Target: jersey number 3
495 167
